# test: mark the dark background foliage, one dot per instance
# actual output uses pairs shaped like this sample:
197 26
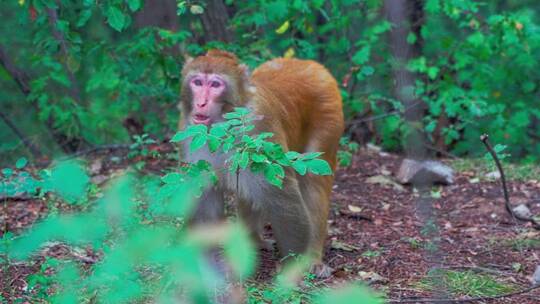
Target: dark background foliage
79 74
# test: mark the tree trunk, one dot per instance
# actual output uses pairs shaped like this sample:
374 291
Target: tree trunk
215 21
406 16
36 153
159 13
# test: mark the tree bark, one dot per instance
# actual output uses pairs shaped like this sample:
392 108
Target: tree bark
36 153
215 21
406 16
159 13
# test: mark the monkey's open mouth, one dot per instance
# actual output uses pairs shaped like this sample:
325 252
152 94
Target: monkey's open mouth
201 119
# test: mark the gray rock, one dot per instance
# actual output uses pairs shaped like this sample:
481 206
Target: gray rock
413 172
522 210
536 276
493 175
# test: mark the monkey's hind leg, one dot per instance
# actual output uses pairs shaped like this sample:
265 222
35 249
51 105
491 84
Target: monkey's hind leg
315 191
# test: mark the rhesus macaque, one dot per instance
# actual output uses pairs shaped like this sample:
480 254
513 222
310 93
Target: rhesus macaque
300 103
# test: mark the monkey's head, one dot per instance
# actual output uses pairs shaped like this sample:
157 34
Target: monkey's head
212 85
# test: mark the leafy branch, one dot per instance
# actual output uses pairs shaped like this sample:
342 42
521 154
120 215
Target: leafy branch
251 151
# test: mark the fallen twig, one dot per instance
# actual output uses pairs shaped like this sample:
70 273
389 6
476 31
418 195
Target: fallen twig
485 139
466 300
95 149
356 216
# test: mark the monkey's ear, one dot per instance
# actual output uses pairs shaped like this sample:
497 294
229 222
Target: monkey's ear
246 75
246 72
187 58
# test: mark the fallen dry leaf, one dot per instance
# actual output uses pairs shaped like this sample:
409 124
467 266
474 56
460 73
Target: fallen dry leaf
344 246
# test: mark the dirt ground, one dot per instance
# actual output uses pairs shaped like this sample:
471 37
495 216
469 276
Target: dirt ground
378 231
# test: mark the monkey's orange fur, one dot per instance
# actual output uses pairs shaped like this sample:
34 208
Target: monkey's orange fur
299 101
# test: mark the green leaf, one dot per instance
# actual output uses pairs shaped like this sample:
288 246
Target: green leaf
244 160
271 173
21 163
283 28
279 170
528 87
432 72
171 178
219 129
362 56
433 6
232 115
258 158
292 155
319 167
84 17
134 5
235 122
242 111
190 131
311 155
180 136
264 135
367 70
69 180
228 144
411 38
7 172
116 18
61 78
198 142
213 144
300 167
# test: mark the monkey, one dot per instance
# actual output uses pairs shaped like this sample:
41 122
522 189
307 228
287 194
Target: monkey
300 103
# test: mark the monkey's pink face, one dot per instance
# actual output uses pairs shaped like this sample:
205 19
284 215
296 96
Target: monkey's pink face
207 91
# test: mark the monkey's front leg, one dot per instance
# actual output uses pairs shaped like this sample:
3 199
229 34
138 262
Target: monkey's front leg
210 207
253 218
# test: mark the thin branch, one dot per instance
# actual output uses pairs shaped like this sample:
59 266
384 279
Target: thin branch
20 77
96 149
27 143
466 300
435 149
53 20
384 115
485 139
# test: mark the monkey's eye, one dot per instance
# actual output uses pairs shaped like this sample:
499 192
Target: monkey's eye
197 82
215 84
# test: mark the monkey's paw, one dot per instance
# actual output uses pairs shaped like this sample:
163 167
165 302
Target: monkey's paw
321 270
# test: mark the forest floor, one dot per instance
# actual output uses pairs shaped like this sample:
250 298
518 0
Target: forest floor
379 233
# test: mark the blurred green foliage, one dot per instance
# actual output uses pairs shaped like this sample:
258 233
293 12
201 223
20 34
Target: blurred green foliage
138 227
347 148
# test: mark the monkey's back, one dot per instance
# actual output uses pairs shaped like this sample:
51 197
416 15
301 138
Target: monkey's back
303 98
